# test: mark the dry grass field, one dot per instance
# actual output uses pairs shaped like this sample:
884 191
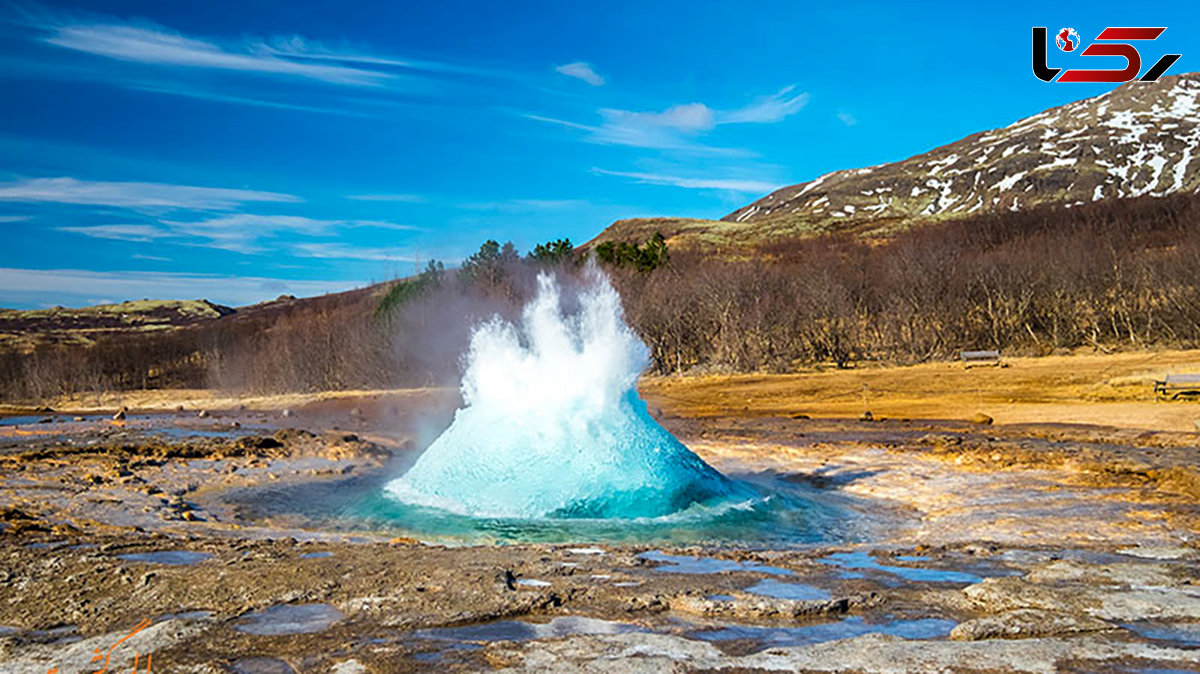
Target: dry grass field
1086 388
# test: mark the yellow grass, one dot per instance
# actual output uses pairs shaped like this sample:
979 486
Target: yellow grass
1111 390
1108 390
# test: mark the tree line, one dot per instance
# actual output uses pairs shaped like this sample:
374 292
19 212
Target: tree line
1109 275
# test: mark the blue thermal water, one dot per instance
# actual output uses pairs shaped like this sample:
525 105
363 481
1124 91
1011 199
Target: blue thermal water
553 442
552 425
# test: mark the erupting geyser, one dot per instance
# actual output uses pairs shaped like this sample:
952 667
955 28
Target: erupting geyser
552 426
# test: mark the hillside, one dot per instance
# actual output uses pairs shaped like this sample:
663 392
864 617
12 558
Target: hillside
1139 140
24 329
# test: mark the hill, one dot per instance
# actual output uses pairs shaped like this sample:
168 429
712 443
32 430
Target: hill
1140 139
58 325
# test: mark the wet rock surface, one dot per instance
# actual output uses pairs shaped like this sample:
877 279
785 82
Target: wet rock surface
1008 560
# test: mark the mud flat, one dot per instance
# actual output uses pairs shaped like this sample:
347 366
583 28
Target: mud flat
1021 547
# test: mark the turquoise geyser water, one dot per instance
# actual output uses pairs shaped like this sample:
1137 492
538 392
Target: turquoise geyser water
552 425
552 433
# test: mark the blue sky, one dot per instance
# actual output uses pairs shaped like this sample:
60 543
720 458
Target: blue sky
237 151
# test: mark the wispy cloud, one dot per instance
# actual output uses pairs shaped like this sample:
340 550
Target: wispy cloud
134 195
237 232
581 71
91 286
157 45
342 251
15 218
734 185
525 205
767 109
561 122
847 118
399 198
679 127
119 232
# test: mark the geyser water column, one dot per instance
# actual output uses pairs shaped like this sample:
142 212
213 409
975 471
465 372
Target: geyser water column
552 426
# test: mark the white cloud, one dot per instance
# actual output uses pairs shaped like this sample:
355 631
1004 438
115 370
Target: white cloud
847 118
92 286
15 218
400 198
767 109
734 185
525 205
138 233
241 232
340 251
133 195
561 122
581 71
237 232
153 44
678 127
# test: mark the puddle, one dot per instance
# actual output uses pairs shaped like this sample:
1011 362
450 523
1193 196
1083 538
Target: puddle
770 587
261 666
863 560
438 656
21 421
1181 634
706 565
316 555
585 551
720 597
515 630
168 557
289 619
63 634
769 637
43 545
185 615
182 433
533 582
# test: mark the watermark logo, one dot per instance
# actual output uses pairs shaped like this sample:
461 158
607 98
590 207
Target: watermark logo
1112 41
1067 39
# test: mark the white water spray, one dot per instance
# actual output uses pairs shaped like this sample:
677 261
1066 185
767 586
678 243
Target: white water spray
552 425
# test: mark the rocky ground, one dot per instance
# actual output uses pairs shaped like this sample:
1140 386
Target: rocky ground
974 548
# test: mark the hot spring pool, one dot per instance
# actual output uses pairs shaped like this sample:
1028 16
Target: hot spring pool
552 443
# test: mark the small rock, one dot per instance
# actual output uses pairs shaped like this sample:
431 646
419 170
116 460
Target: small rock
287 413
120 415
1026 624
981 418
506 578
867 416
203 414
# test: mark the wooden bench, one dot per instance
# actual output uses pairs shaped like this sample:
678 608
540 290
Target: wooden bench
1174 386
972 358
